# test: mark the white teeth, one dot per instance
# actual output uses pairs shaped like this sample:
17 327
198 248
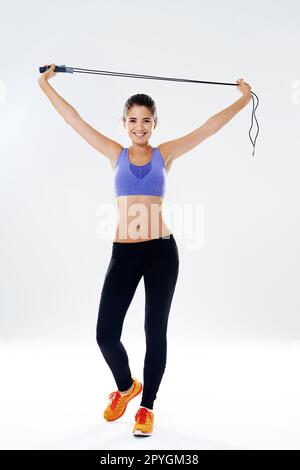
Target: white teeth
139 135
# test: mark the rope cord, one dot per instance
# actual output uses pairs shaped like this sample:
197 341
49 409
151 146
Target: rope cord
63 68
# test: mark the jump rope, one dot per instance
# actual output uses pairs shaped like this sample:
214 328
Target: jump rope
64 69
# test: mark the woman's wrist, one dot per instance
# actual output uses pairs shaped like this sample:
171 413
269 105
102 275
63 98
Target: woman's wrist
246 98
44 83
42 80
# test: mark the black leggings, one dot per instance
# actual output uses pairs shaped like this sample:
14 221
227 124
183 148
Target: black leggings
157 260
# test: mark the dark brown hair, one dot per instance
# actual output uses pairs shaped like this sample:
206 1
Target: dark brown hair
141 100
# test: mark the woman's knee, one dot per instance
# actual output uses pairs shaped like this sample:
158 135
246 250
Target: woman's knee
156 339
106 338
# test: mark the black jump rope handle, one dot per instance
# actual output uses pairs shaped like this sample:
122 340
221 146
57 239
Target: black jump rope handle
58 68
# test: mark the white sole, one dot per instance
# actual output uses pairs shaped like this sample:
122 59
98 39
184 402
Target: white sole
138 432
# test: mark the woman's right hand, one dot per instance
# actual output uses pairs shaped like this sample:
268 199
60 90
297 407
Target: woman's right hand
244 88
48 73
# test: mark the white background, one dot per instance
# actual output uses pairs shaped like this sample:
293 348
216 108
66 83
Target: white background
242 285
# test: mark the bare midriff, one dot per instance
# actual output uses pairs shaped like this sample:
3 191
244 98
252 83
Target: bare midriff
140 219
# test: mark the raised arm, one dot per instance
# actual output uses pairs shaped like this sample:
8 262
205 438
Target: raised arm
175 148
217 121
108 147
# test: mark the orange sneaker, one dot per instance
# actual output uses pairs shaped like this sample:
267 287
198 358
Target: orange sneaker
144 422
118 404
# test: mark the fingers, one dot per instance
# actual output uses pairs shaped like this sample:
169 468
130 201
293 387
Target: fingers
241 81
51 67
49 72
52 70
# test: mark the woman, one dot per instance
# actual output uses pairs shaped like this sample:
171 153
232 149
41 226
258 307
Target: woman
143 246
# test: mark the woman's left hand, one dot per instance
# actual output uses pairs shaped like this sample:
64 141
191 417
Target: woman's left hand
244 88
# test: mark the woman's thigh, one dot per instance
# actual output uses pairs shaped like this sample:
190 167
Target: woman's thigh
121 280
160 280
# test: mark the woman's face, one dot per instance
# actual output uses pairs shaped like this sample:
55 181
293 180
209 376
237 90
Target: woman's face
139 120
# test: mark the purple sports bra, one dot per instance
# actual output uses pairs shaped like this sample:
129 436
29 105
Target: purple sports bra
148 179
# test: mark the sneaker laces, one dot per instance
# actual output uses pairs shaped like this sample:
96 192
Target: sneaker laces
115 397
142 415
